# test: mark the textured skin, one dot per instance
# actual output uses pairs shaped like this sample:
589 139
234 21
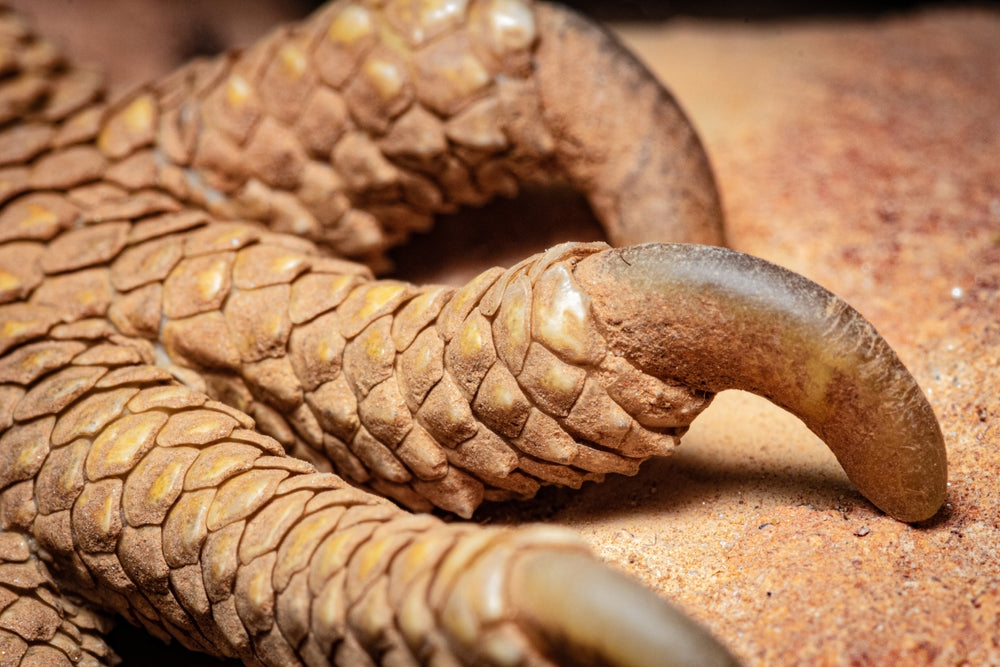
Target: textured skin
185 352
169 331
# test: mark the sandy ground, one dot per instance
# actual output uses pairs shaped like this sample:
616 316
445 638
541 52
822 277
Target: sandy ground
863 153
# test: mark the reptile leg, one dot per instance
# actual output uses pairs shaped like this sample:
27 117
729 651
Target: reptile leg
574 363
355 127
148 499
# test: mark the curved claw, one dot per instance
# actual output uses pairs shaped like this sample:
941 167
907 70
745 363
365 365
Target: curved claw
717 319
588 614
621 137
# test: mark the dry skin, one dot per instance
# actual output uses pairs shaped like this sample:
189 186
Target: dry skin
710 585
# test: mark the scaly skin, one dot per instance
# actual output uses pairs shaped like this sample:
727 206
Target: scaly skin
356 127
179 329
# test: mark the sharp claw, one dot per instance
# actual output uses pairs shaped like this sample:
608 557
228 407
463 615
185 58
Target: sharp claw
536 596
644 171
585 613
716 319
